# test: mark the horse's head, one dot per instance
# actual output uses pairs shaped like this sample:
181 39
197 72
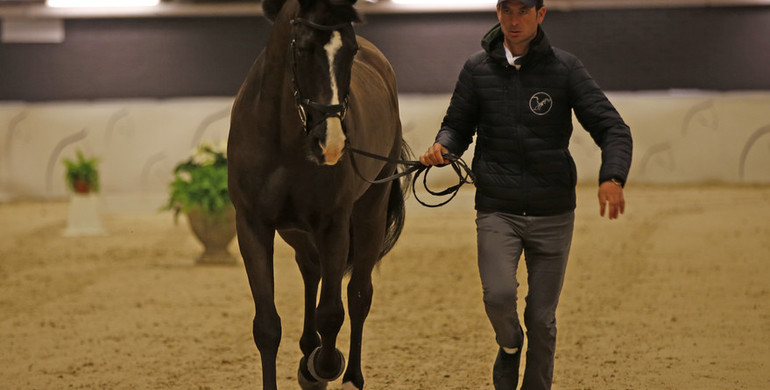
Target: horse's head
322 50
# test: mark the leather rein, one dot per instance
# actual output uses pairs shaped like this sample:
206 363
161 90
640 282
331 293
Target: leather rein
461 168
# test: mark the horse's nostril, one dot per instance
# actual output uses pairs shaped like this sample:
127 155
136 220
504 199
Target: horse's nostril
333 143
331 155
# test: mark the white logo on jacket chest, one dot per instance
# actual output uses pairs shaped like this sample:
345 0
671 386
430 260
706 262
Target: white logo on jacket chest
540 103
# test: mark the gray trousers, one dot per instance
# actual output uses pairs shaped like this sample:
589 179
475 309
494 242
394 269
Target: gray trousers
545 242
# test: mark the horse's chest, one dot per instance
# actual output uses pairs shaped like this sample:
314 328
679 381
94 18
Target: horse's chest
301 199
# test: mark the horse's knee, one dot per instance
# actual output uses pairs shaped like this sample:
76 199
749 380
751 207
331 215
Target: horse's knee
359 298
266 330
330 317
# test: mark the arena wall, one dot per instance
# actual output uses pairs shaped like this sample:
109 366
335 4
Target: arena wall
679 137
713 48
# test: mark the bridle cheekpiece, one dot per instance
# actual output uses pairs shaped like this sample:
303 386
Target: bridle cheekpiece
305 104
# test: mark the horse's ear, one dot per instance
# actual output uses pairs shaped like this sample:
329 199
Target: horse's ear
305 4
271 8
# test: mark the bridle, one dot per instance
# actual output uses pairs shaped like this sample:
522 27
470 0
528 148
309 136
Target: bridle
414 168
304 104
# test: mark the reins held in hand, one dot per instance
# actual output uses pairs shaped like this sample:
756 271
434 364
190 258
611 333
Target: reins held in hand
463 171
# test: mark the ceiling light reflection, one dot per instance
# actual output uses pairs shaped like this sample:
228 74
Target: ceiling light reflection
441 2
100 3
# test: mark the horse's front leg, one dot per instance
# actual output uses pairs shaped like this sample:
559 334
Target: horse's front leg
359 301
369 225
256 244
308 262
327 362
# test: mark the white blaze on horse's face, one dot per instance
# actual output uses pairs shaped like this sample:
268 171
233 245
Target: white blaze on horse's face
334 144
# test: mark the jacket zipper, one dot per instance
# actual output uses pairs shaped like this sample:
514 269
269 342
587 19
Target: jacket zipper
522 154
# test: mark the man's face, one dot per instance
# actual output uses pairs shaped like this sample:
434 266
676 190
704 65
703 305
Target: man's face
519 23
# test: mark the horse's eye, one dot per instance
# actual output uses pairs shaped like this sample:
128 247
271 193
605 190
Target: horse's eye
304 52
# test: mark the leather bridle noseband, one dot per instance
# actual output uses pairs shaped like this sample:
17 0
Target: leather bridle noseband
305 104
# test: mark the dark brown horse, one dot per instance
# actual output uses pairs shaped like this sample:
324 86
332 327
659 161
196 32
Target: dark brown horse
315 89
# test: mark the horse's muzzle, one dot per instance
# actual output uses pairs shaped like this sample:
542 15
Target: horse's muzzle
333 144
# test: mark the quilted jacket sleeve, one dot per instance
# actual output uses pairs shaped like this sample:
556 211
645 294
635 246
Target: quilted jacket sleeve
600 118
461 119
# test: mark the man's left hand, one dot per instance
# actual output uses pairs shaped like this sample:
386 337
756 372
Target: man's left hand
611 193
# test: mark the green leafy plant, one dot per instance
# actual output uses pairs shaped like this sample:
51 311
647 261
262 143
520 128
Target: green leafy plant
201 182
82 174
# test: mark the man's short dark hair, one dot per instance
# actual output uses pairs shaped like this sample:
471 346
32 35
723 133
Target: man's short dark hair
531 3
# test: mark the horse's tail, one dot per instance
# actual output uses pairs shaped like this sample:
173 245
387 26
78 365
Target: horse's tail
396 205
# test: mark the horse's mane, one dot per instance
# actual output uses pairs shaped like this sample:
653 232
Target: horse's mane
343 8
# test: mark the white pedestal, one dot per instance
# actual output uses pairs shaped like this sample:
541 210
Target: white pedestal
84 219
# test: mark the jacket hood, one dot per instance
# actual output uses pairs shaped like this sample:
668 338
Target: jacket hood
493 43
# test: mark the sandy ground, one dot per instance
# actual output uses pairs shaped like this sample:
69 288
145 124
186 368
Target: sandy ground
675 295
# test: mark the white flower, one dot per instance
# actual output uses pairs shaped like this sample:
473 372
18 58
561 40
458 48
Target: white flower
202 156
185 176
222 147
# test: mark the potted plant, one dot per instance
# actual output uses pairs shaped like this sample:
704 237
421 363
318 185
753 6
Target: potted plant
199 190
82 177
82 174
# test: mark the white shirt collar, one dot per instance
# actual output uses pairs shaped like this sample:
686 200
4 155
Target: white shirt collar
512 59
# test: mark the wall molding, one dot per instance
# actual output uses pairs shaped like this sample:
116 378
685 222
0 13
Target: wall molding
679 138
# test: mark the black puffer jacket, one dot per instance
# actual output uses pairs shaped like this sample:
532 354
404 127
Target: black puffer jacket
523 122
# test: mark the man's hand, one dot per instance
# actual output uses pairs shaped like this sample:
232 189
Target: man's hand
611 193
435 155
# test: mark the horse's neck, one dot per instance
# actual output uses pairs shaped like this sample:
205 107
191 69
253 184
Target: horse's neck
280 35
276 50
275 97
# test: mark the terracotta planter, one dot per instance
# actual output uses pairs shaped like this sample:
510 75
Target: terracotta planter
215 232
82 186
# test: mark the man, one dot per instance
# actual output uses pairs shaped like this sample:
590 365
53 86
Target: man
517 96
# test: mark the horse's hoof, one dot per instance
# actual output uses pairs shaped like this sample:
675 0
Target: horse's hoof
313 369
305 379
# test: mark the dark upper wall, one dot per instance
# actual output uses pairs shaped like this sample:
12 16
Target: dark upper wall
713 48
127 58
